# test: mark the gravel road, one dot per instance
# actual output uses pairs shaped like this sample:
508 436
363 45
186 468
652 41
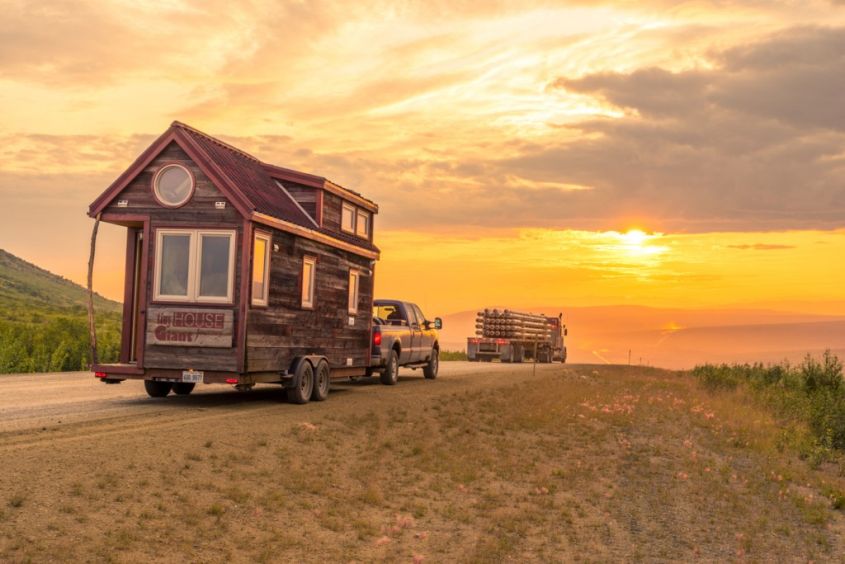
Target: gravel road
38 403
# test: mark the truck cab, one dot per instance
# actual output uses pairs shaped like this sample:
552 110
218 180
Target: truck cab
403 336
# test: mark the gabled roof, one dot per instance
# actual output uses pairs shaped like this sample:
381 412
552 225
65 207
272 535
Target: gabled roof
248 182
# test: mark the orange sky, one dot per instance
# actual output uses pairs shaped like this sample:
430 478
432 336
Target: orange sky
509 144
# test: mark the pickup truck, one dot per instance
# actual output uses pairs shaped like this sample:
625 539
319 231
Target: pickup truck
402 336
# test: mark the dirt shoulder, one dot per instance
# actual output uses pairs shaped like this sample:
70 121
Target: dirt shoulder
487 463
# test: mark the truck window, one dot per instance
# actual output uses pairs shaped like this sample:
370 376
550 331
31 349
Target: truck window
412 316
420 316
390 314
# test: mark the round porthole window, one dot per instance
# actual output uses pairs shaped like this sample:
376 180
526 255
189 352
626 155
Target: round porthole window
173 185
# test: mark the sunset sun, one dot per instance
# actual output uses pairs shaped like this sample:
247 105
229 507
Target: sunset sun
635 237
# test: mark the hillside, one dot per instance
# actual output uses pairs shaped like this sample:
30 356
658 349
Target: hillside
679 338
43 320
25 286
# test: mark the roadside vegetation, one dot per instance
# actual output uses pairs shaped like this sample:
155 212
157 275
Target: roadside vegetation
453 355
44 321
41 341
808 399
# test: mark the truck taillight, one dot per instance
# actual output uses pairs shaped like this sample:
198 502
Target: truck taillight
100 375
377 338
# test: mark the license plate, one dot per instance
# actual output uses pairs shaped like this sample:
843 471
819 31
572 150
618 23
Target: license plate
192 376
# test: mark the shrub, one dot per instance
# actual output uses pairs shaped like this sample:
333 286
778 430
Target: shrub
453 355
811 394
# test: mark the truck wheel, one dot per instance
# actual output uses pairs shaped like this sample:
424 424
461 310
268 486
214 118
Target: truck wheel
322 378
156 389
390 374
183 388
430 369
303 383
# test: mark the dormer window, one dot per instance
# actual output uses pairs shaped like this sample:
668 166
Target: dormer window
362 227
173 185
347 218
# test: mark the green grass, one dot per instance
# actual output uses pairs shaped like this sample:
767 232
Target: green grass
44 323
810 395
453 355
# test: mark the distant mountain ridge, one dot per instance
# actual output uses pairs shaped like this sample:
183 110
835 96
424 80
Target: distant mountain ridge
23 284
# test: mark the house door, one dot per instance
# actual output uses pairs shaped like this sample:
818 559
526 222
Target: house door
135 324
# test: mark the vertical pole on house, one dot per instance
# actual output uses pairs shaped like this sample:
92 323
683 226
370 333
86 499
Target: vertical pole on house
92 331
534 368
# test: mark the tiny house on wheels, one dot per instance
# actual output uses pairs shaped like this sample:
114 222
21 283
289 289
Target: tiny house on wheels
238 271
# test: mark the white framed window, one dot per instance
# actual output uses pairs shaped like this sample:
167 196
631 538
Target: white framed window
362 226
347 218
309 269
261 245
194 265
354 288
173 185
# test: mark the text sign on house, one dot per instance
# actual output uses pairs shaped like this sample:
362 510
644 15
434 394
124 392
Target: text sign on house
189 327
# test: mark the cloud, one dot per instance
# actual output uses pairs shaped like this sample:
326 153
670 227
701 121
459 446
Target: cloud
761 247
753 143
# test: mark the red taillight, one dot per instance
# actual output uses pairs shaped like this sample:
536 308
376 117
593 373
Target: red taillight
377 338
231 380
100 375
501 341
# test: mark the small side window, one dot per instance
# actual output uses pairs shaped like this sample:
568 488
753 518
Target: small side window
362 227
309 268
354 283
347 218
261 269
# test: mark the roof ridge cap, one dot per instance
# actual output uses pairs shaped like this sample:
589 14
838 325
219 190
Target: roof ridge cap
215 140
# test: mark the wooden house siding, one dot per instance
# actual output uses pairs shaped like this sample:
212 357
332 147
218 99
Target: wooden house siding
305 196
199 209
283 330
331 211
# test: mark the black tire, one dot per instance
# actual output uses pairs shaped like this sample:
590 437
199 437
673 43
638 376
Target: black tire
390 374
322 381
303 383
157 389
430 369
183 388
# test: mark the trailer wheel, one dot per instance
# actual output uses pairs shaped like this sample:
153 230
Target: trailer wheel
322 377
430 369
390 374
303 383
156 389
183 388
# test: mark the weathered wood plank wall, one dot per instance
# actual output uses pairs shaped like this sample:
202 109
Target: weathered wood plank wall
284 329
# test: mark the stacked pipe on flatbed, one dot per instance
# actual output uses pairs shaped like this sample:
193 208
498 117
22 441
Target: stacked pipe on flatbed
509 324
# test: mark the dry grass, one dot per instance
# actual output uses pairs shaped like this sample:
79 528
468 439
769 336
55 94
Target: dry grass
584 463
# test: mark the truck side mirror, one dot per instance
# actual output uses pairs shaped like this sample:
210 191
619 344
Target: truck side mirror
565 332
438 323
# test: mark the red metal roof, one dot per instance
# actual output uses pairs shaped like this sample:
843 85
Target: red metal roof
250 182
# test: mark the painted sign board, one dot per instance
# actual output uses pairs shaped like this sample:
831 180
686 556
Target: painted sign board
189 327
